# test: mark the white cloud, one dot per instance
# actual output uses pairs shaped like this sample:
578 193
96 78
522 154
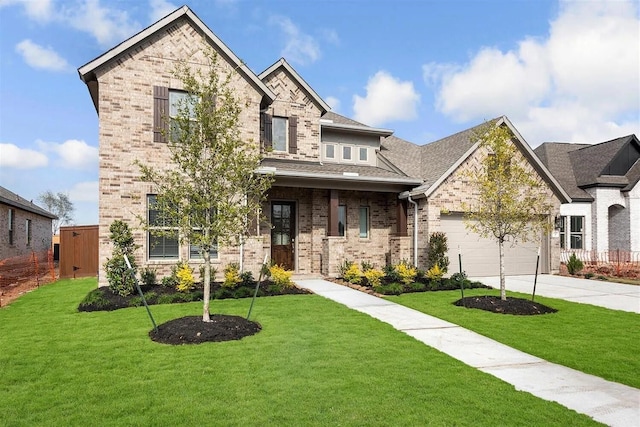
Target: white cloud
38 10
160 9
12 156
84 192
73 154
387 99
41 57
333 102
330 35
580 83
300 48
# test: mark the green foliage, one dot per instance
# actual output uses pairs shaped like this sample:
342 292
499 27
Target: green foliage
574 265
212 274
280 277
353 274
148 276
121 280
231 275
459 277
344 267
374 276
247 278
391 274
169 281
366 266
94 299
184 276
417 287
406 272
393 288
437 251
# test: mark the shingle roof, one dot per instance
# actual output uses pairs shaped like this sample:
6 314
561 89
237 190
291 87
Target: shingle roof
12 199
334 169
579 166
337 118
555 156
404 155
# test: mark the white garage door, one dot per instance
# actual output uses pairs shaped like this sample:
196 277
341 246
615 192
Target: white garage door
481 257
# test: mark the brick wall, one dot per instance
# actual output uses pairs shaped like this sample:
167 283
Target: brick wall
40 233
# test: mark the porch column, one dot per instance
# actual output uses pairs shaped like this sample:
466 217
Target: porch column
333 213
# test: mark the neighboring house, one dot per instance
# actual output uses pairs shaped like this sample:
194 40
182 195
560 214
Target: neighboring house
342 190
25 227
602 180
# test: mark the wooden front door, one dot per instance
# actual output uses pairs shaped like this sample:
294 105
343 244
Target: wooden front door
283 234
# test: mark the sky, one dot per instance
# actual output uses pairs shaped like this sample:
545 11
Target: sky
562 71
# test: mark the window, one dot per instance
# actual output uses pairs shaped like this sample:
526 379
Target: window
364 154
364 222
28 232
346 152
279 137
194 252
160 246
563 232
577 232
12 224
330 151
342 220
180 104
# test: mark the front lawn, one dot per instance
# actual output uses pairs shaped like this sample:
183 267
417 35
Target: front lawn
315 362
595 340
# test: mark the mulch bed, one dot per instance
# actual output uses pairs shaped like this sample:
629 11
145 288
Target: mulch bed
517 306
192 330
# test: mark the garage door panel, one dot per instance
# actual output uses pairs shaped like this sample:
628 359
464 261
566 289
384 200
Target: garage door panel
480 256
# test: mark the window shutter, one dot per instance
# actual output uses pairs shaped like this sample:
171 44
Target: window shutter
266 130
160 113
333 213
402 218
293 135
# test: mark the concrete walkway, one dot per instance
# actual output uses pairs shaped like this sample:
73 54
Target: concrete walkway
615 296
605 401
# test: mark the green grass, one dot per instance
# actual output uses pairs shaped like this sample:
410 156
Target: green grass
314 363
595 340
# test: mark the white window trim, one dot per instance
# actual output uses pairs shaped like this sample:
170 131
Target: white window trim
149 233
351 147
335 146
358 159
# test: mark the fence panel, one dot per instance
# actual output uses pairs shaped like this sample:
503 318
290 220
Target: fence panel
614 262
26 272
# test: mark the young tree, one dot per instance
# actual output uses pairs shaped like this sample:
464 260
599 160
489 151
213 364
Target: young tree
511 204
59 205
210 190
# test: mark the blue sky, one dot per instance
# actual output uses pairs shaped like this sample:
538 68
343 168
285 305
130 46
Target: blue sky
560 70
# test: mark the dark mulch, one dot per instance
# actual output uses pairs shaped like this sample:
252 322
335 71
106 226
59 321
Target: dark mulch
494 304
192 330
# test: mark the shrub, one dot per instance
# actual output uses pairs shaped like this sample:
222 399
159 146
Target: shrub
184 277
344 267
231 275
436 254
353 274
390 289
121 280
366 266
391 274
148 276
94 299
435 272
417 287
280 277
169 282
247 279
588 275
212 271
574 265
459 277
406 272
374 277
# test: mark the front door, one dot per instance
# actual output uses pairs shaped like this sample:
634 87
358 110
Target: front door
283 233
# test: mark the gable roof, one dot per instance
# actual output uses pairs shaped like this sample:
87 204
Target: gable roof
12 199
580 166
331 120
282 63
441 158
87 71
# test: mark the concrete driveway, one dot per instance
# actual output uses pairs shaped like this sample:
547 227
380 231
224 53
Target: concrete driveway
615 296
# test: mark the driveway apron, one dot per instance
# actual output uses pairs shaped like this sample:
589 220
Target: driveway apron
607 402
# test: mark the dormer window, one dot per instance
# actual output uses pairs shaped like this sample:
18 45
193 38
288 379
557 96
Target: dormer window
279 135
346 153
363 154
330 151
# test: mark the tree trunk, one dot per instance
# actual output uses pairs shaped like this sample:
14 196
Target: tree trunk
207 286
503 290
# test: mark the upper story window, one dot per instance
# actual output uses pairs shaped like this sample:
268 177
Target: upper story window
363 154
330 151
348 153
181 106
279 133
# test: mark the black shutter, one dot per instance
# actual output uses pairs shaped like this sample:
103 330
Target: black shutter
267 132
293 135
160 113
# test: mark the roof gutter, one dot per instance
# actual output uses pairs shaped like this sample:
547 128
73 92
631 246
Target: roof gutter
341 177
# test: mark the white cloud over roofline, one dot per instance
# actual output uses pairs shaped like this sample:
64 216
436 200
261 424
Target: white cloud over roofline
41 57
14 157
300 48
580 83
387 99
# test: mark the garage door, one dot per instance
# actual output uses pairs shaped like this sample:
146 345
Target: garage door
481 257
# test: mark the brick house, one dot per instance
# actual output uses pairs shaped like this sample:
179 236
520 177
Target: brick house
26 227
603 213
342 190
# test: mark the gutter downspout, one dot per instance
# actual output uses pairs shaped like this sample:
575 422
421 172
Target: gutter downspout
415 230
